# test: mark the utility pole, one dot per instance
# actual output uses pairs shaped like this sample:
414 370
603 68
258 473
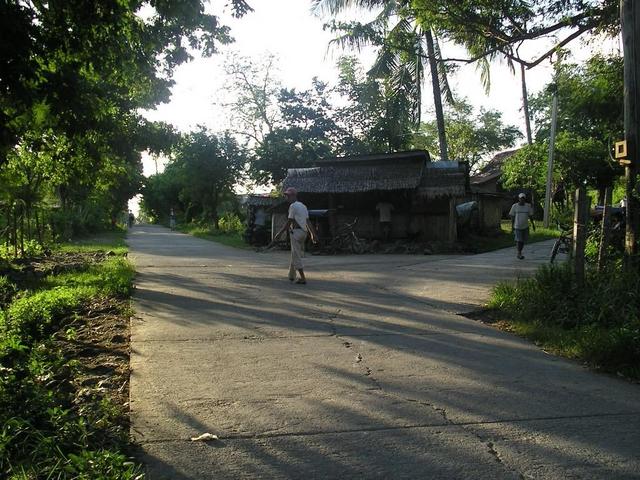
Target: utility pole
630 20
552 142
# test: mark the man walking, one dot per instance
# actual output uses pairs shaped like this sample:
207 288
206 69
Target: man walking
299 227
521 214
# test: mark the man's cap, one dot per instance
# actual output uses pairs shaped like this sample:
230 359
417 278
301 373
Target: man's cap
522 195
290 191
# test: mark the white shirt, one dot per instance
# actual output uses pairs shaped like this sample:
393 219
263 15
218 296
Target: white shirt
298 212
521 214
385 209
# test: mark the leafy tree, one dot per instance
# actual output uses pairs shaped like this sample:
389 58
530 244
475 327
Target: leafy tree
527 169
371 119
77 75
308 132
471 137
405 49
487 28
253 88
590 116
203 169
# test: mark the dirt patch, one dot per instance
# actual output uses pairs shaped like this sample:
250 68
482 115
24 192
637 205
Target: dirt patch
490 316
99 340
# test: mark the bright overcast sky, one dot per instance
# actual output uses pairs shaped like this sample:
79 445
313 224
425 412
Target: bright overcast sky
287 29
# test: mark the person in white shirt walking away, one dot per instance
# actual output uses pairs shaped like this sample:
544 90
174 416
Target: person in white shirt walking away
521 214
299 227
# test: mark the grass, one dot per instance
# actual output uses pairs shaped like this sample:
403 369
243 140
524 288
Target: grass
598 323
504 238
51 424
230 239
113 241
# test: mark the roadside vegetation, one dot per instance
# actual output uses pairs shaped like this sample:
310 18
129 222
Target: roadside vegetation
64 363
598 323
229 232
504 238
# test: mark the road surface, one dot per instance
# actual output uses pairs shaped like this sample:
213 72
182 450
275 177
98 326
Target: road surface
368 371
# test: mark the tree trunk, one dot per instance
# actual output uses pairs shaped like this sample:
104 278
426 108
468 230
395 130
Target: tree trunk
38 226
437 96
22 230
15 231
630 19
525 104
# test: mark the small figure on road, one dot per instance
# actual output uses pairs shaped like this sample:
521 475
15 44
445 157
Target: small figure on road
299 227
384 209
131 219
172 220
521 214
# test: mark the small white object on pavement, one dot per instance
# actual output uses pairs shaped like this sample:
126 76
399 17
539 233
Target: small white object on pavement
205 437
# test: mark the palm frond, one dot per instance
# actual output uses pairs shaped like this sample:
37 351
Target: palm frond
387 62
484 67
356 35
324 8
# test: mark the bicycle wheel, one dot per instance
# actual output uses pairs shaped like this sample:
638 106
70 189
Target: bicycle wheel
357 247
555 249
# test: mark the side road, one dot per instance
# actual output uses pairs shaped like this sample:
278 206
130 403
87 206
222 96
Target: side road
366 372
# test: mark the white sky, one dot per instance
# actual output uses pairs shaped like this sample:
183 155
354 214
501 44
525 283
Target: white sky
287 29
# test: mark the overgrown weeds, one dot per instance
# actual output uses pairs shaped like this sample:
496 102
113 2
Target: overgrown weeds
231 238
57 421
598 323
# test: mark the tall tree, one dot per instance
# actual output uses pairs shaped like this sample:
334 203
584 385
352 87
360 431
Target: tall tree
590 117
251 92
209 167
77 76
405 49
202 171
471 136
500 27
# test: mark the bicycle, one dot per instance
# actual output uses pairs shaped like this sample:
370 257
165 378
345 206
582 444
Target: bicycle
346 240
563 244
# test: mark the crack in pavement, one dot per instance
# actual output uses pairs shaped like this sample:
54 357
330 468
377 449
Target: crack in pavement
446 424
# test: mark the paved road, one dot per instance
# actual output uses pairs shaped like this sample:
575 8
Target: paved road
368 371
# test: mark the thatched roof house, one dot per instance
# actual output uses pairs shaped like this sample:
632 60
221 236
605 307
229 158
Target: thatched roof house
487 180
254 200
382 173
420 191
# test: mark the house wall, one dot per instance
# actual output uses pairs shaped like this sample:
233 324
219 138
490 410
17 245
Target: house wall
490 211
413 217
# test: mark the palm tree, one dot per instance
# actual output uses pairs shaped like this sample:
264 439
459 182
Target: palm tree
401 58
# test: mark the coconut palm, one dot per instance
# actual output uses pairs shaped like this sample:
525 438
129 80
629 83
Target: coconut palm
406 48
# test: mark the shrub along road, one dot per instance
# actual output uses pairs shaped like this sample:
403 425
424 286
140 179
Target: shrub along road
366 372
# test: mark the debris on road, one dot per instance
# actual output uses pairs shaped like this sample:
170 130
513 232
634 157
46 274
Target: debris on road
205 437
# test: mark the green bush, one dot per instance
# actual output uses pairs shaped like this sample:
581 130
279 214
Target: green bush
601 319
112 277
32 248
7 291
231 223
40 313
